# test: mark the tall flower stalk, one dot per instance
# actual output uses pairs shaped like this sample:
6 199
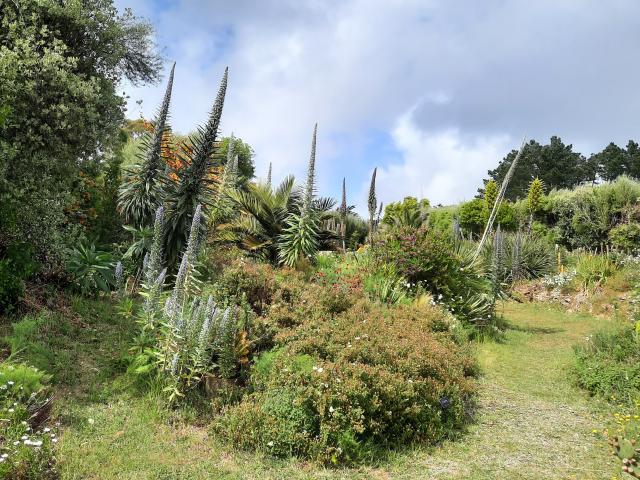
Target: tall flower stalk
372 204
141 192
300 236
195 180
343 215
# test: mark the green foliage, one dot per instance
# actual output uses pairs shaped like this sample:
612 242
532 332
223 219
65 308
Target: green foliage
263 212
27 443
408 213
490 197
626 238
340 392
91 269
68 59
246 167
608 364
523 257
583 217
16 265
593 270
472 216
429 259
300 238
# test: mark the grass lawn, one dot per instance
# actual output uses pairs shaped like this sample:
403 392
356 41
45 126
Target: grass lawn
532 423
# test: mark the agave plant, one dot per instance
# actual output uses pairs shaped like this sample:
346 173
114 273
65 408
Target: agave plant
92 270
141 191
194 182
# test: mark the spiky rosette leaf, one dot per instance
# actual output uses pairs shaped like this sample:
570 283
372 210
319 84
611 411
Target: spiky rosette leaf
299 239
195 181
141 190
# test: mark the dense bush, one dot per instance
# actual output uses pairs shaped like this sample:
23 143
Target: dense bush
428 259
584 217
339 388
626 237
593 270
16 265
609 364
26 446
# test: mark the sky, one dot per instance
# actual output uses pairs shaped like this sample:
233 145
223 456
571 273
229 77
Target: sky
432 93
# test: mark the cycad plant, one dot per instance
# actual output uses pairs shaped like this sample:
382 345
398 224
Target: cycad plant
300 238
194 182
262 217
141 190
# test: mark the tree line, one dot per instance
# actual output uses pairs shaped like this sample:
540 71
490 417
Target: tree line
558 166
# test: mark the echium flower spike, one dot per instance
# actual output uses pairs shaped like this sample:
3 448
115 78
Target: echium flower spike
194 236
311 175
269 176
373 204
153 160
141 192
119 276
154 263
343 214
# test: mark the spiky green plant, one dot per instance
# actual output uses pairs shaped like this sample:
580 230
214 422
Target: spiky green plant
263 213
300 238
343 215
490 196
534 198
372 204
195 180
141 191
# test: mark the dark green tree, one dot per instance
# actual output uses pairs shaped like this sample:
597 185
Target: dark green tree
556 164
60 67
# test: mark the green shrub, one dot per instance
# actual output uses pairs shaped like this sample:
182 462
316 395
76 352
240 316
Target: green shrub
429 260
27 443
340 390
593 270
609 364
626 238
16 266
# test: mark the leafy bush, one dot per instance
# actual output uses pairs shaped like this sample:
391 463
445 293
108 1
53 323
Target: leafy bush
609 364
26 450
340 390
428 259
593 270
626 238
91 269
15 266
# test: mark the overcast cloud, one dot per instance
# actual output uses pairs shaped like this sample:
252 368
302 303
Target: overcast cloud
433 93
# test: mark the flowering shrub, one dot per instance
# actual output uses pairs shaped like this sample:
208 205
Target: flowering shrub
427 259
186 335
26 443
560 280
609 364
339 389
626 441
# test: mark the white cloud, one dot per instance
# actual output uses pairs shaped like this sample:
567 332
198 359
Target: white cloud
480 75
438 165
